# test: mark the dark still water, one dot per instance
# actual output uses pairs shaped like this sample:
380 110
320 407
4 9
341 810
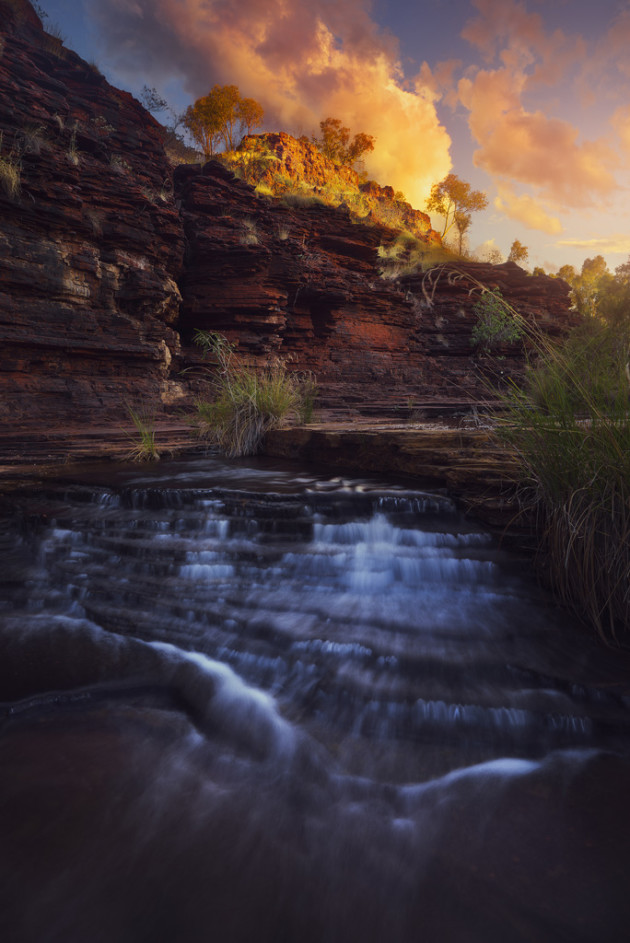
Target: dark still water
244 703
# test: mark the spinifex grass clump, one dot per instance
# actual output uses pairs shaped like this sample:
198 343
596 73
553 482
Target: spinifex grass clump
570 426
144 448
246 403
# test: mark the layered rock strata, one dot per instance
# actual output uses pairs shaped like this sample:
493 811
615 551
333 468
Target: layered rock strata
91 244
108 264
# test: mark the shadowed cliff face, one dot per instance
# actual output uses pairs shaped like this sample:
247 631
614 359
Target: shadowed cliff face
92 244
106 263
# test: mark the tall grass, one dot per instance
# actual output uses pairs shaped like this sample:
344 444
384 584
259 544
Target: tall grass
144 448
570 427
243 403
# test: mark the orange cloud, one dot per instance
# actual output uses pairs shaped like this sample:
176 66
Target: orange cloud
621 125
615 244
506 29
524 145
526 210
304 61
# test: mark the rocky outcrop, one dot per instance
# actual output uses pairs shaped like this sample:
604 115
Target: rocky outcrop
91 241
306 284
286 164
106 270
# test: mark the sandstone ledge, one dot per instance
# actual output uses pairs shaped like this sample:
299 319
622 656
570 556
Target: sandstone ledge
469 463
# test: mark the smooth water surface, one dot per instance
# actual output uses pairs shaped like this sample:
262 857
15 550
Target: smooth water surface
245 702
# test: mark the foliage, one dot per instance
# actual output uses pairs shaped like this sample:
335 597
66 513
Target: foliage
596 292
252 159
144 449
222 117
518 252
453 199
407 254
177 151
10 171
496 324
570 427
335 142
246 403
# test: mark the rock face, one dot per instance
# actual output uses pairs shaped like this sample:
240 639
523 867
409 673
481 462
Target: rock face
91 245
106 270
306 284
295 163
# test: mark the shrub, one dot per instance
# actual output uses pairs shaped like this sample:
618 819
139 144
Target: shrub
247 403
496 324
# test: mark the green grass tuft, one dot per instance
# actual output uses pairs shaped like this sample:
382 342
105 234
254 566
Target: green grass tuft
244 404
144 449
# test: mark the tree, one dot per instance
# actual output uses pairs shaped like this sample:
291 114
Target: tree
175 146
586 285
222 117
335 142
568 273
613 297
453 199
518 252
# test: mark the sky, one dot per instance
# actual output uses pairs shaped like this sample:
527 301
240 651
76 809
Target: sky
526 100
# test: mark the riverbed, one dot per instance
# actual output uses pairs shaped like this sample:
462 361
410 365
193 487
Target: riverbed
253 701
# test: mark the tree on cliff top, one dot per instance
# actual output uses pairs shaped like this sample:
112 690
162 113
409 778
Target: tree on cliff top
222 117
335 142
518 252
453 199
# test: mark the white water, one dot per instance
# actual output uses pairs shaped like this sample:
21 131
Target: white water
344 711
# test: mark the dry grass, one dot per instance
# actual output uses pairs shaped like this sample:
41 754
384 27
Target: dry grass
10 172
244 404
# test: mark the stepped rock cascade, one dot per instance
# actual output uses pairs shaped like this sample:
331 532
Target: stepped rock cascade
248 701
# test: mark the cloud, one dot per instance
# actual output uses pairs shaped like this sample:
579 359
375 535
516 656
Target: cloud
304 61
521 144
525 210
616 243
507 30
621 124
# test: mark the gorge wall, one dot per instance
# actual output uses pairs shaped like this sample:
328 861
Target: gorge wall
109 261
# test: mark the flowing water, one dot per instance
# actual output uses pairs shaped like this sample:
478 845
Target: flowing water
248 703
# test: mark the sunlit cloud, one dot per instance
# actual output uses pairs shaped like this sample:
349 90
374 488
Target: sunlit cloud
521 145
616 243
304 61
524 209
621 124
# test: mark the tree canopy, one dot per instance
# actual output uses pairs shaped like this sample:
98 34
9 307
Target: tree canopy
335 142
597 292
222 117
518 252
454 199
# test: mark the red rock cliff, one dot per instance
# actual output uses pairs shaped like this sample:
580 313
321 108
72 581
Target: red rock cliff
103 269
306 284
91 246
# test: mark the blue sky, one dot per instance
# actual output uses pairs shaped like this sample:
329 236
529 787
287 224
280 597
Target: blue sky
526 100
